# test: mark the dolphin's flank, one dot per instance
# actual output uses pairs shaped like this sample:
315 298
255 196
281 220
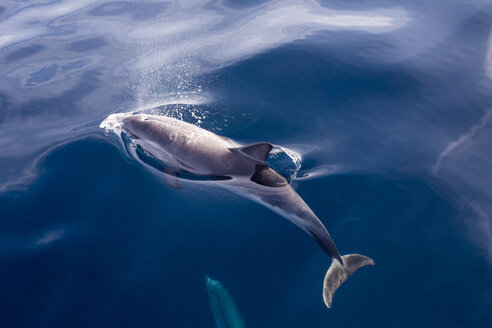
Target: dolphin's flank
179 149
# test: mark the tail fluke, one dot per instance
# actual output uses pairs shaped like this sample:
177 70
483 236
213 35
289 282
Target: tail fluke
338 273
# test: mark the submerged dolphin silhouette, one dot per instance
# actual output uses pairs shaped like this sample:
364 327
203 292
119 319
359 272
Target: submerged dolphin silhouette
189 149
223 306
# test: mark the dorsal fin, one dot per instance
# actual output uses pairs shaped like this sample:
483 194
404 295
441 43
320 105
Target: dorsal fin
258 151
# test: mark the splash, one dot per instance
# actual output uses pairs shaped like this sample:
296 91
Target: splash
285 161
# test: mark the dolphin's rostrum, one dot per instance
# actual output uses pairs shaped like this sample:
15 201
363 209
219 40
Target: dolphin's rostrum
180 148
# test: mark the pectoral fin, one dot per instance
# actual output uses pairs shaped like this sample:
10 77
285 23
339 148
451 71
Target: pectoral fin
267 177
171 177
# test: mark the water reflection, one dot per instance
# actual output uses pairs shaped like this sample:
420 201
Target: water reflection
156 60
365 86
89 44
24 52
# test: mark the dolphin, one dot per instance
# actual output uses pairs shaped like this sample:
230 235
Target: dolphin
223 306
181 149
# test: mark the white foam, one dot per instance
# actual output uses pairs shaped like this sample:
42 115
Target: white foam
113 123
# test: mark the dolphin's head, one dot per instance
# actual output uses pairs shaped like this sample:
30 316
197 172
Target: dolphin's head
136 126
213 286
154 128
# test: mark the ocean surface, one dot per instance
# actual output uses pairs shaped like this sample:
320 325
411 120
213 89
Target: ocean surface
386 105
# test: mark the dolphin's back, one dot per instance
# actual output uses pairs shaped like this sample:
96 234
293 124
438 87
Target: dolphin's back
185 145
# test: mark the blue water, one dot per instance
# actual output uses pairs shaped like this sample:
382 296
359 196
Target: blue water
389 103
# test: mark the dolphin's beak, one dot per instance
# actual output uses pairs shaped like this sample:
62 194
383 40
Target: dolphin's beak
210 282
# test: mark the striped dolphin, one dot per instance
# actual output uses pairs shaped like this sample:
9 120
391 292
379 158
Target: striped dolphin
180 148
223 306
